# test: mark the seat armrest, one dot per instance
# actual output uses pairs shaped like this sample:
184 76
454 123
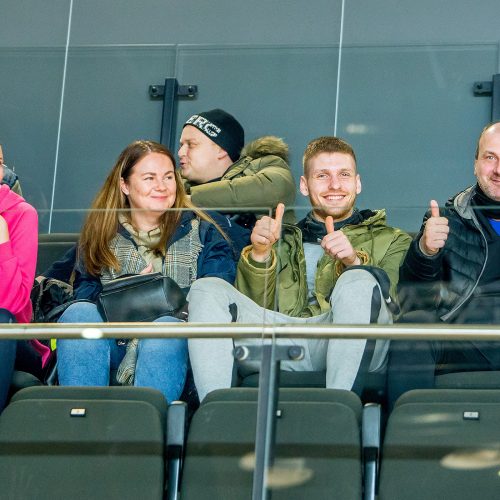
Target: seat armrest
176 438
370 435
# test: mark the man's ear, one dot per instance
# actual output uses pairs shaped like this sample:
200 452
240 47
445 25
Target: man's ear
222 154
304 189
358 184
123 186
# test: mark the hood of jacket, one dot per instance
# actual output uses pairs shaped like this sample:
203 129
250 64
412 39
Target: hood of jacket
264 146
371 218
9 177
462 203
8 199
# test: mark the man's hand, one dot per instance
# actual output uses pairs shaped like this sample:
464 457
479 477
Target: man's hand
4 231
435 232
337 245
266 232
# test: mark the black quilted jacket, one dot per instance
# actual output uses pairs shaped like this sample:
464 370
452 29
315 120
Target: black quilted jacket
444 282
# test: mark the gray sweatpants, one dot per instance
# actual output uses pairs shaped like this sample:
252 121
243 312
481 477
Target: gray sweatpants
351 300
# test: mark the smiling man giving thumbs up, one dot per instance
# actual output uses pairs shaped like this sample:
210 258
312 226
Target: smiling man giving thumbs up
322 270
451 274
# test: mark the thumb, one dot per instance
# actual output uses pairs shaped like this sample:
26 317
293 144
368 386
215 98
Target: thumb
434 208
329 224
280 210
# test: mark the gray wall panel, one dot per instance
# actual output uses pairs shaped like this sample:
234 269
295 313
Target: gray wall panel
271 63
29 109
426 21
198 22
33 23
239 21
412 117
289 92
106 107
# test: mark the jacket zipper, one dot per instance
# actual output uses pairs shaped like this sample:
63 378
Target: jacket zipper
460 304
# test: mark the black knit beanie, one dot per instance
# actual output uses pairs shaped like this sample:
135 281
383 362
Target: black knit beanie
222 128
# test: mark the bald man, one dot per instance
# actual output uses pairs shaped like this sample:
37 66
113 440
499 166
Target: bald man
451 274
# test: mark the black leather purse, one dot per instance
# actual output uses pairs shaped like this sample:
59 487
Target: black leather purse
141 297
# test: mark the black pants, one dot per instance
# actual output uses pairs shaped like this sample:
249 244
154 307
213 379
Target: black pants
414 364
7 357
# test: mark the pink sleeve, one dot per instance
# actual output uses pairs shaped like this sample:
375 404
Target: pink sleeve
18 261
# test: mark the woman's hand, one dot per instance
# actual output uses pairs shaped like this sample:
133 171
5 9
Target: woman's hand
4 230
148 269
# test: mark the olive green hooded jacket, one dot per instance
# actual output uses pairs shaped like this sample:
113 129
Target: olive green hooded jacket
281 283
261 178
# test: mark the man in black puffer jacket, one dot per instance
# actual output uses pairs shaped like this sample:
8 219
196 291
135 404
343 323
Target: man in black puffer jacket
451 274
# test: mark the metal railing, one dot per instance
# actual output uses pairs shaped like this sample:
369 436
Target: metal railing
235 330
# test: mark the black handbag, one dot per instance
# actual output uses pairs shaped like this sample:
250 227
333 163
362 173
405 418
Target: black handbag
141 297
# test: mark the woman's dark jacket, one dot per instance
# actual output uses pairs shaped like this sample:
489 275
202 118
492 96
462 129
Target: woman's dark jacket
215 259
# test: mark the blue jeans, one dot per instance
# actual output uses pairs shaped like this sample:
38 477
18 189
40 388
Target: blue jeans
7 358
161 363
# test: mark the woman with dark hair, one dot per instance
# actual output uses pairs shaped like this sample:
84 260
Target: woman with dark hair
18 250
137 225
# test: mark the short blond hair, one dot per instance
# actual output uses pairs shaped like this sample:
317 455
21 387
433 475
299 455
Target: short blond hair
325 144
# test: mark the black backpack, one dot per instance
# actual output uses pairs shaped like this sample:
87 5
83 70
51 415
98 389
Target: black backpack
50 298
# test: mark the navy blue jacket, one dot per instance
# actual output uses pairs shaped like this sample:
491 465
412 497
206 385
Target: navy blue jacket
239 236
216 257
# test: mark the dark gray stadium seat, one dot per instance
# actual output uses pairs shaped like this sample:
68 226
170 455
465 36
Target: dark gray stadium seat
89 442
318 450
442 444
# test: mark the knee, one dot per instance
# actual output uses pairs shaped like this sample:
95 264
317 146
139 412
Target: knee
81 312
355 283
207 285
83 347
166 347
356 277
6 316
168 319
209 299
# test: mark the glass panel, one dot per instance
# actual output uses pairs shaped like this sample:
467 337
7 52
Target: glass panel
405 104
413 119
107 106
31 81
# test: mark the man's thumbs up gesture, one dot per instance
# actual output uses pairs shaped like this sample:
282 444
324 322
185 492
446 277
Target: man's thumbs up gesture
435 232
337 245
266 232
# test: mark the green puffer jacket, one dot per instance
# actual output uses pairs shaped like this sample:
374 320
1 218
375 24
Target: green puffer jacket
260 178
375 243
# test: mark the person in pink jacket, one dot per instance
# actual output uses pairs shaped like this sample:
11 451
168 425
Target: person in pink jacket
18 252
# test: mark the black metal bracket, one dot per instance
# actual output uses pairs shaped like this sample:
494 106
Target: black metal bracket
158 91
270 356
490 89
170 93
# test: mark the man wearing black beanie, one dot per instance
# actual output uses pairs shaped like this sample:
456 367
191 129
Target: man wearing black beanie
221 174
451 274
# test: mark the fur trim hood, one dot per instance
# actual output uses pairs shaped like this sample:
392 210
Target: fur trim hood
264 146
